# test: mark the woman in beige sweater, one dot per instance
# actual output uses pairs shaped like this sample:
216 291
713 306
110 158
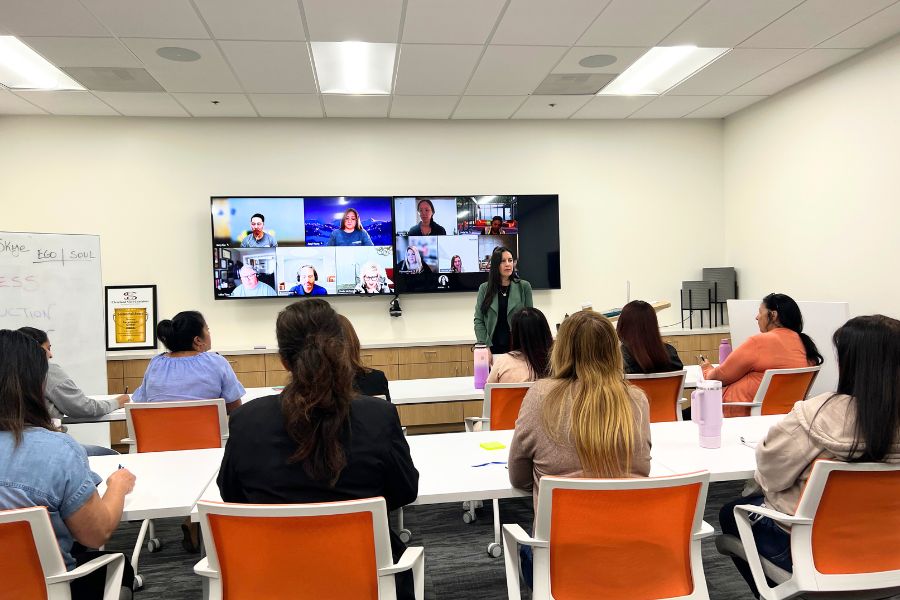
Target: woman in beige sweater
858 423
585 420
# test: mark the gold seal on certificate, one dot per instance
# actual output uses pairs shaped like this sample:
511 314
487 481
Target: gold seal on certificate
131 325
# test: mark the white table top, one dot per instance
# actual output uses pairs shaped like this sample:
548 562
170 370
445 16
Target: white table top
404 391
447 473
167 484
676 446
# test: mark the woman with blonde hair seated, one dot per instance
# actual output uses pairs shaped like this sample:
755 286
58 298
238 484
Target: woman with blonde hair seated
584 420
372 280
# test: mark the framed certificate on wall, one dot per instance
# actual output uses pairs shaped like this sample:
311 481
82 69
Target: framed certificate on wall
130 317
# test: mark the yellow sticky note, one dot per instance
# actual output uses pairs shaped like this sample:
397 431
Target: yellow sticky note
492 445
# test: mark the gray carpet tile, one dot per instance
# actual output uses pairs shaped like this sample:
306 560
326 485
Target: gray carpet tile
456 561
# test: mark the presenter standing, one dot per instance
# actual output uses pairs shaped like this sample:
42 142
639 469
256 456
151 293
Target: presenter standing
498 298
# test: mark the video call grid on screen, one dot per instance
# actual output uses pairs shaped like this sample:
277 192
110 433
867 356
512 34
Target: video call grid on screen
300 246
408 244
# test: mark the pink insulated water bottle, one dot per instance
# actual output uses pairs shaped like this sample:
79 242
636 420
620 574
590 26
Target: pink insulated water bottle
724 350
706 412
482 365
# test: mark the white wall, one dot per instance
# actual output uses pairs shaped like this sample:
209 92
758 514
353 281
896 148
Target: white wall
812 187
639 200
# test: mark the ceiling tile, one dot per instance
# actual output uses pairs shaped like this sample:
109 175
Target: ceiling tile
539 107
356 106
208 74
876 28
795 70
83 51
637 22
731 71
49 17
435 70
487 107
356 20
513 70
611 107
727 23
271 67
229 105
813 22
423 107
450 21
542 23
287 105
624 58
157 19
133 104
724 106
10 104
671 107
241 20
69 103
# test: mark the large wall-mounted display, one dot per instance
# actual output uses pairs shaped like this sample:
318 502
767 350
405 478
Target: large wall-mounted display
343 245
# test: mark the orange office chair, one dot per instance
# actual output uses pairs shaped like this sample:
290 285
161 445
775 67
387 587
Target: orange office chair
168 426
780 389
31 565
615 539
499 411
845 537
664 391
335 550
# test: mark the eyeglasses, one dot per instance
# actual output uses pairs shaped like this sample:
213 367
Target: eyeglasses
371 277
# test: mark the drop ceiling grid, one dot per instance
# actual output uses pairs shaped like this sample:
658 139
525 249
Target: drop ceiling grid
449 49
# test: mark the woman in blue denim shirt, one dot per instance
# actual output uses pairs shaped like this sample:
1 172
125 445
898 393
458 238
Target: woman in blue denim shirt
40 466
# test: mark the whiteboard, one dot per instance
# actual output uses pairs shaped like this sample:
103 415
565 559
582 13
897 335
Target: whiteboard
820 321
53 282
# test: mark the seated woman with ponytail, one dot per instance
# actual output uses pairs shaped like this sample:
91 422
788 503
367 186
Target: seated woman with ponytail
188 371
781 344
584 420
319 440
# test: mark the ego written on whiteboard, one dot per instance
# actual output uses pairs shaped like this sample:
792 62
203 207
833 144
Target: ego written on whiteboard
28 283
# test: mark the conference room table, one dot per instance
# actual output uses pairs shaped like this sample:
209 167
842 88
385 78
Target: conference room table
454 467
403 391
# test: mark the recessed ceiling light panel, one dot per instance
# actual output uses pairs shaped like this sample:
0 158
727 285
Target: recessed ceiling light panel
660 69
354 67
21 68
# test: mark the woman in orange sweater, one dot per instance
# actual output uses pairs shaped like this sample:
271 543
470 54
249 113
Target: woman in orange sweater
780 345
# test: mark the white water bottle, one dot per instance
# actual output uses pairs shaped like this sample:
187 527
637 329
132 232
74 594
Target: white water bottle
706 412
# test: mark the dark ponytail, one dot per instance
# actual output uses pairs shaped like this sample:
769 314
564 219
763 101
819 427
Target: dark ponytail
316 401
789 317
178 333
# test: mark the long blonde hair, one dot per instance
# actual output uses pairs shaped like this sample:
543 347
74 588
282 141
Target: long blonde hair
586 365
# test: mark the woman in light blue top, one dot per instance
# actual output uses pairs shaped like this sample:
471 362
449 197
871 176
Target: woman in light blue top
351 232
40 466
188 371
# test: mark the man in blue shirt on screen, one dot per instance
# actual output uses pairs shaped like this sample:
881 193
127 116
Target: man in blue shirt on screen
258 237
307 276
251 286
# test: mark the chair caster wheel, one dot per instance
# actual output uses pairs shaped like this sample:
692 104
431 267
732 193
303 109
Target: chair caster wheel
469 517
154 545
495 550
405 535
138 583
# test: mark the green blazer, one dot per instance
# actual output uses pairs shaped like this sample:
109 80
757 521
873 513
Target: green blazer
519 297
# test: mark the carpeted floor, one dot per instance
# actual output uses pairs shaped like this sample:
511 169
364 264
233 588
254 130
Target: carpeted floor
456 562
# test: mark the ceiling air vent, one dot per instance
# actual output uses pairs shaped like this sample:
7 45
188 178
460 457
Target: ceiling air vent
114 79
573 84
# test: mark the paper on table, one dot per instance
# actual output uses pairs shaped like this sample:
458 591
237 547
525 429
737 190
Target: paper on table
492 445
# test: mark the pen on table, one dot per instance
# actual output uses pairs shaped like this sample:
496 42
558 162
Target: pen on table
126 389
121 467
